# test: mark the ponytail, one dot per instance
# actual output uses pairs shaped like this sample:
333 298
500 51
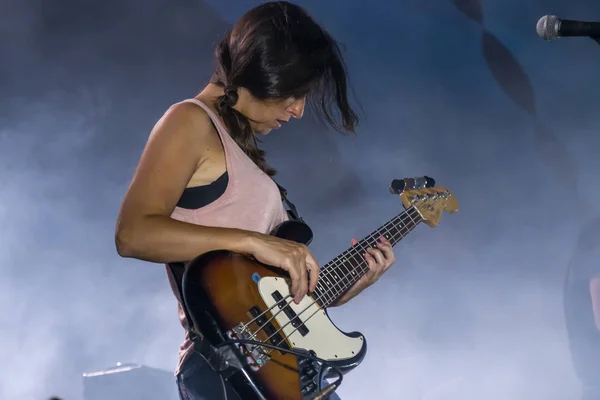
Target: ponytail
237 123
240 130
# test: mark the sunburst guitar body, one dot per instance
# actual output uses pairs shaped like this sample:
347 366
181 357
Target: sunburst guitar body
245 309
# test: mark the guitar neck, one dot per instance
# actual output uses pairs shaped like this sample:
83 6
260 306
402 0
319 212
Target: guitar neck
345 270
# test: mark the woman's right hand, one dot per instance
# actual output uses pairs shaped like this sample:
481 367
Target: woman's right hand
293 257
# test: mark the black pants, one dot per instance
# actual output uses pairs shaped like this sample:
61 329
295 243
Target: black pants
198 381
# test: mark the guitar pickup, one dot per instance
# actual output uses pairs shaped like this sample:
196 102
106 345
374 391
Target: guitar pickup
268 328
292 316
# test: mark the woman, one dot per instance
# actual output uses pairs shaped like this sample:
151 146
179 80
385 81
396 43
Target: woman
202 184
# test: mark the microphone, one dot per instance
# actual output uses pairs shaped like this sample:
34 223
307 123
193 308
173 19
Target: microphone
550 27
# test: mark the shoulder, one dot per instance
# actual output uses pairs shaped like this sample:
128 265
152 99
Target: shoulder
184 127
185 119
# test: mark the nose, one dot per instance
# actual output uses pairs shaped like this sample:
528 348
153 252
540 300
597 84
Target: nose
297 108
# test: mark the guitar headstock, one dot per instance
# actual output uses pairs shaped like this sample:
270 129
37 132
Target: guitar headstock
429 202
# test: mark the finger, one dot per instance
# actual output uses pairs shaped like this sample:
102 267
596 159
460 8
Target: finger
313 278
354 241
303 281
295 279
371 262
384 240
378 256
314 270
387 251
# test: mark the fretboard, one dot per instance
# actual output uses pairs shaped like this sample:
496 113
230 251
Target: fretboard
345 270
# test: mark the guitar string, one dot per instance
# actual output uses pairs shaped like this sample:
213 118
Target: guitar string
337 262
359 266
399 223
310 316
428 201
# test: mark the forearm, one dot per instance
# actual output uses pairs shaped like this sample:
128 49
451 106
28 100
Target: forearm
162 239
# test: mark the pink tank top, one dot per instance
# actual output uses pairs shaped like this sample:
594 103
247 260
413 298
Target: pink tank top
252 201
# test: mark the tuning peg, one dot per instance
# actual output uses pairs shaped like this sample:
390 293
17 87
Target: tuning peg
398 186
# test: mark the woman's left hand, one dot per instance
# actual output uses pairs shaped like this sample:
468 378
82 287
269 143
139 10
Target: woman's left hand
378 259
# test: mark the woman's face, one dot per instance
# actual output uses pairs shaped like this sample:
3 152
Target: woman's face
268 115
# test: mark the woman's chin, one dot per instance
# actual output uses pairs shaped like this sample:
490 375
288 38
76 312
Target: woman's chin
263 131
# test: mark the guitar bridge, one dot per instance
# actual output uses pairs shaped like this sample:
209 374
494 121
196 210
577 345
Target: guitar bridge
254 355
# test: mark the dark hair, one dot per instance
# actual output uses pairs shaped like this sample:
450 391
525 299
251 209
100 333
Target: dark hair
277 51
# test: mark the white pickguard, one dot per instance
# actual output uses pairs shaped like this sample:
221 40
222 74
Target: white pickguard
323 337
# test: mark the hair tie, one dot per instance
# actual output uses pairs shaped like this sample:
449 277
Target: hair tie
231 95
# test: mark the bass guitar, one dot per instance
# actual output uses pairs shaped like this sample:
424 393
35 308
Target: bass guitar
271 348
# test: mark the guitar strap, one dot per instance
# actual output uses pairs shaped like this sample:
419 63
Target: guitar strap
201 345
178 269
291 208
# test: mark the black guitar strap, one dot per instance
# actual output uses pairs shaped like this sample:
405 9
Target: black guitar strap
178 269
291 208
201 345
